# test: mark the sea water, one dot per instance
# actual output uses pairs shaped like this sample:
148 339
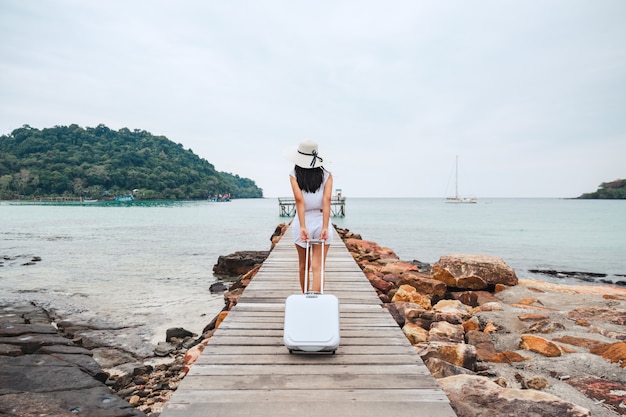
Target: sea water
149 266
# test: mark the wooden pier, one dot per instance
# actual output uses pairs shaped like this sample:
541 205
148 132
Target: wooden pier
246 371
287 206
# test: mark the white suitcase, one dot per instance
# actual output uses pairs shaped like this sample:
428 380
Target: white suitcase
312 319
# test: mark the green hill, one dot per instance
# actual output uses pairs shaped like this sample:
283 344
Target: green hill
608 190
101 163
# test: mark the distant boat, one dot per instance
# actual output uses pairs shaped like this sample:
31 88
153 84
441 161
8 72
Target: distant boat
126 197
90 200
458 199
220 197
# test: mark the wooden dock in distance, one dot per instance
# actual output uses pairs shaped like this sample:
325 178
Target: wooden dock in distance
287 206
245 370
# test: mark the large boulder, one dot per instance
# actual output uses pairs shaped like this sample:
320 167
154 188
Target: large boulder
472 395
474 272
238 263
422 283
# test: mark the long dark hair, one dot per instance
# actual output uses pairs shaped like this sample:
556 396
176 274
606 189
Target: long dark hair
309 179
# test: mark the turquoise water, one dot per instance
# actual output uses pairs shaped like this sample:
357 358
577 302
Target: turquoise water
566 235
150 266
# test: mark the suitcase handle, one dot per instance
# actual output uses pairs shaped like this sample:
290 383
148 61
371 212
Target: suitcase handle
306 265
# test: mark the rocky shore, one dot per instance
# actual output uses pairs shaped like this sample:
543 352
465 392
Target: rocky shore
503 346
498 345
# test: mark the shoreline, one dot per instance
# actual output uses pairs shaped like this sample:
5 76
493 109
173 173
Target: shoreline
479 340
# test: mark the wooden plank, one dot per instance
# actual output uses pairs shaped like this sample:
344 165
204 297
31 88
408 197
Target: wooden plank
311 368
417 395
333 380
310 408
278 341
306 359
211 351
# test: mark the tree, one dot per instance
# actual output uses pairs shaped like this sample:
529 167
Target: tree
66 160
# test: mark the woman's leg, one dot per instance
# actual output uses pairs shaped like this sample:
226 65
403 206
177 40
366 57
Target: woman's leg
301 264
316 265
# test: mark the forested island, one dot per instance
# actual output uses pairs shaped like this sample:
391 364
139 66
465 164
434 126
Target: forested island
608 190
101 163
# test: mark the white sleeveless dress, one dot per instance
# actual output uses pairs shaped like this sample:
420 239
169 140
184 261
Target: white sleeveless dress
313 217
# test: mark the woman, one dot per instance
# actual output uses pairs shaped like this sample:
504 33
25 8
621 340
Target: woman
312 188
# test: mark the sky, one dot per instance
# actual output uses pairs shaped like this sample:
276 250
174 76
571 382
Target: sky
530 95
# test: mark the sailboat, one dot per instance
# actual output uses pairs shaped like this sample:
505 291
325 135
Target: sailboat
458 199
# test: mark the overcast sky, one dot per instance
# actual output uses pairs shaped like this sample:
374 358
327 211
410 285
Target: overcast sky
531 95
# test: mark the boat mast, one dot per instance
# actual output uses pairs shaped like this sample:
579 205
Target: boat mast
456 179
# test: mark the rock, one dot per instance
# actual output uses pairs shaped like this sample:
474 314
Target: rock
508 357
238 263
92 402
379 283
10 350
580 342
278 233
485 349
442 369
456 354
533 317
220 318
347 234
540 345
361 247
472 396
485 297
32 342
177 332
406 293
192 355
469 298
42 384
614 352
395 312
218 287
607 333
11 330
398 268
610 394
415 333
231 297
536 382
545 326
490 328
422 283
474 272
111 357
611 315
164 349
442 331
471 324
491 306
452 307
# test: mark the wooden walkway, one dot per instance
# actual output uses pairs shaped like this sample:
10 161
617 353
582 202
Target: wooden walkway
287 206
246 371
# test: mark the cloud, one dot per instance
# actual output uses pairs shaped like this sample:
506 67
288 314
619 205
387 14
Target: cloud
530 95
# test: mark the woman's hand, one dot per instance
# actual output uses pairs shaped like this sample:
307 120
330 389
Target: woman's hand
304 234
324 234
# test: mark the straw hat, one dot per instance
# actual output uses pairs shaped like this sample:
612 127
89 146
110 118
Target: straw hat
306 155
